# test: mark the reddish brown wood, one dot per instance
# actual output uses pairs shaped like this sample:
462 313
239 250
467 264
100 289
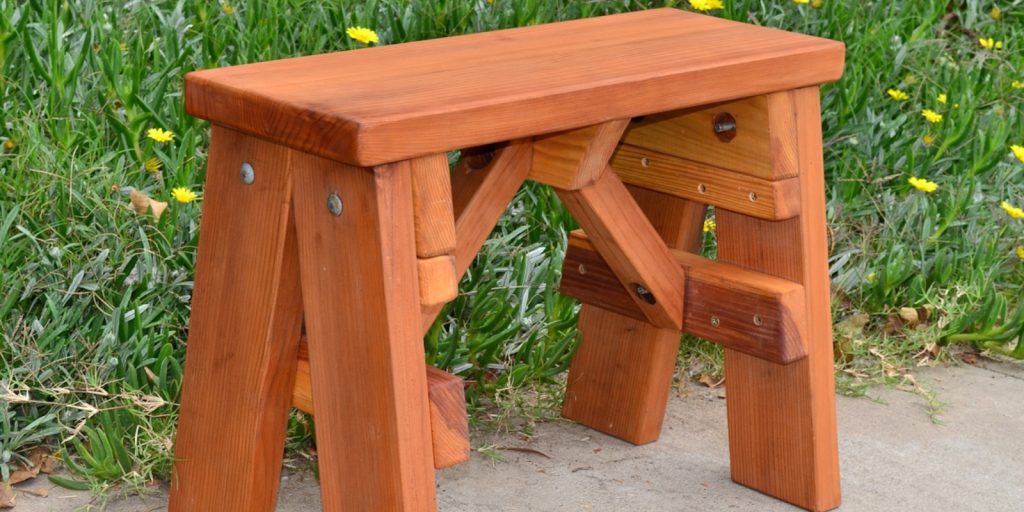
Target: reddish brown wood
758 197
432 206
753 313
576 158
631 246
359 280
782 429
243 334
621 373
438 282
449 426
393 102
482 187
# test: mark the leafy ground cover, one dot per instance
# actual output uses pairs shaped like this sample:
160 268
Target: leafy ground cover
94 295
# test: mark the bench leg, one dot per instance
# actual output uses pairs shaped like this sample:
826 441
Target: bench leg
243 334
621 374
782 427
359 285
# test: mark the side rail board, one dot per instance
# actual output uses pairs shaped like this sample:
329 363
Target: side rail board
743 310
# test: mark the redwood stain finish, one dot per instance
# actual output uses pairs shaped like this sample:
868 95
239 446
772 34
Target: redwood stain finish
617 114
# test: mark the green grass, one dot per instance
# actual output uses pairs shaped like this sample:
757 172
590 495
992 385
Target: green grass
94 298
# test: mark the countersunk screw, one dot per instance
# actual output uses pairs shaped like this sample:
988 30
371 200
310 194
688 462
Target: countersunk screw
724 126
644 293
752 196
715 322
248 173
334 204
758 321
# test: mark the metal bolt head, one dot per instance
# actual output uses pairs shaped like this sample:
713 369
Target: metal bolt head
248 173
644 294
715 321
724 126
334 204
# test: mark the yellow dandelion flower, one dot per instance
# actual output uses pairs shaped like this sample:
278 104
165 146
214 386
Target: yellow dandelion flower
817 4
706 5
153 164
932 116
989 43
183 195
1017 84
942 98
8 145
228 9
923 185
709 225
898 95
1018 151
801 2
1012 211
160 135
363 35
997 13
871 278
1020 251
928 139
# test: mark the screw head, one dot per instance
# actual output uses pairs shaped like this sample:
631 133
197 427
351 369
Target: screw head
715 321
724 126
583 269
644 293
247 173
645 162
758 321
753 197
702 188
334 204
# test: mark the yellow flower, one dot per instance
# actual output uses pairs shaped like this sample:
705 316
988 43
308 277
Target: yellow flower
997 13
932 116
183 195
928 140
362 34
942 98
706 5
1012 211
153 164
801 1
1017 84
923 185
898 95
817 4
709 225
871 278
228 9
1018 151
989 43
1020 251
8 145
160 135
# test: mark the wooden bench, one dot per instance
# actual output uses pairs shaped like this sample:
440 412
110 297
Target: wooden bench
333 232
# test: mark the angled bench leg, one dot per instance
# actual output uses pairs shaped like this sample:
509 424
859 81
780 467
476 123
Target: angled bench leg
782 428
358 273
243 335
621 374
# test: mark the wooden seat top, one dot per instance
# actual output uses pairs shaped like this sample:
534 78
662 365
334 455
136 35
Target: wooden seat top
382 104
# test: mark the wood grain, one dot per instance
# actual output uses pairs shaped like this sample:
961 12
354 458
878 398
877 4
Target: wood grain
782 429
755 313
243 334
438 282
633 249
449 425
741 193
621 373
432 205
576 158
360 288
393 102
482 187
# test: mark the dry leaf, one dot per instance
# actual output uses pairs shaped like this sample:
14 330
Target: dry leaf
143 203
41 492
7 497
23 474
910 316
709 380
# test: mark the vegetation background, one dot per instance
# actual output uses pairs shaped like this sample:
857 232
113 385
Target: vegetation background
94 296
